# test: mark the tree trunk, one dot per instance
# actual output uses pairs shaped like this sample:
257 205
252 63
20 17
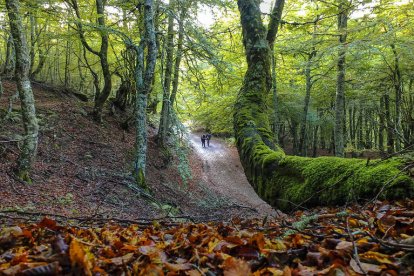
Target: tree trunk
144 80
178 55
67 60
398 86
1 88
101 96
360 141
10 58
390 125
340 82
271 35
103 56
165 110
282 180
381 126
303 135
31 128
315 141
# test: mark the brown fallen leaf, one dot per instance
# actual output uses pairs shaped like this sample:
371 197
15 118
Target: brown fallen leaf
118 261
178 267
344 245
151 270
368 268
193 272
78 258
49 223
235 267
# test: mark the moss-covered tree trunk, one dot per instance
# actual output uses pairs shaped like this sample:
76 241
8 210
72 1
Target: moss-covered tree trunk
31 127
169 48
286 181
144 81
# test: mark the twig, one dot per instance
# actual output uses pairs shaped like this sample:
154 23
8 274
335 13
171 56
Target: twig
140 221
396 153
407 247
10 141
351 237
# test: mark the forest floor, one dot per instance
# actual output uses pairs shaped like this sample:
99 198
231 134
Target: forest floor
83 215
84 170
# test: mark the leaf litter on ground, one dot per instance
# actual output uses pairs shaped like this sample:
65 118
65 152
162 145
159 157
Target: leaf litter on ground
374 240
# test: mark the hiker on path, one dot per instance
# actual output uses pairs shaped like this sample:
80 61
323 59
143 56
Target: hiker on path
203 140
208 137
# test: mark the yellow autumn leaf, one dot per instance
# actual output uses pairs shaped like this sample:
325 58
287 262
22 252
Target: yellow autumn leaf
78 258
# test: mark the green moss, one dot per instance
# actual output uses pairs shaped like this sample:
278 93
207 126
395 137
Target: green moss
140 179
24 176
287 181
333 181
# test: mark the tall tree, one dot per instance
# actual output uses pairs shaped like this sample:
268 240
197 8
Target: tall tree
101 95
31 127
144 81
339 136
172 73
285 180
166 87
277 16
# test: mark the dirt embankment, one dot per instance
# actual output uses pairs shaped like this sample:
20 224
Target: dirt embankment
84 169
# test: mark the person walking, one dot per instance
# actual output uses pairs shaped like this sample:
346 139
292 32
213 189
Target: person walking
208 137
203 140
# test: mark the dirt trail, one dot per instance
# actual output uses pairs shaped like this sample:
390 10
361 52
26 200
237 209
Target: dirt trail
224 173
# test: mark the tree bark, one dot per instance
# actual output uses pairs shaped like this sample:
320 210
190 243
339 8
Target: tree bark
398 86
1 88
381 126
390 124
103 95
10 58
340 82
271 35
178 55
165 110
286 181
31 128
144 80
303 133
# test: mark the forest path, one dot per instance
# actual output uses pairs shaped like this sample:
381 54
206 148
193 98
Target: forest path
223 172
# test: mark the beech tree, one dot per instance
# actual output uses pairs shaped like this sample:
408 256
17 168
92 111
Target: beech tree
285 181
31 128
144 78
101 95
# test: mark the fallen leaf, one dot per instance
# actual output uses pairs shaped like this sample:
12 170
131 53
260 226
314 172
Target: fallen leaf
48 223
368 268
78 258
123 259
377 257
178 267
235 267
344 245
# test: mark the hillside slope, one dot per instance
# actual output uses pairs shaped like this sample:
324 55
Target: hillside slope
83 169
